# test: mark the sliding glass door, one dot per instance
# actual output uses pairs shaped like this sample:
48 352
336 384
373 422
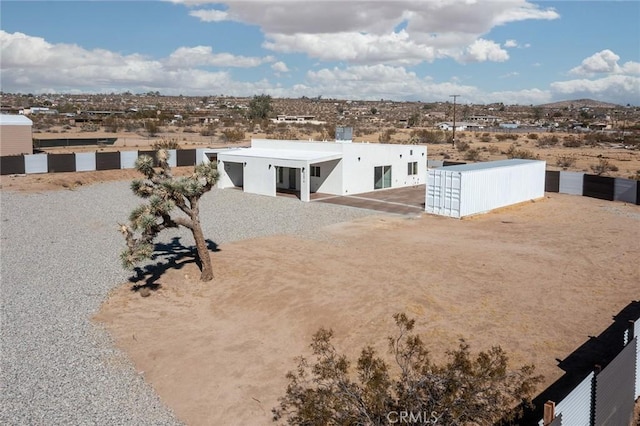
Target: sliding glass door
382 177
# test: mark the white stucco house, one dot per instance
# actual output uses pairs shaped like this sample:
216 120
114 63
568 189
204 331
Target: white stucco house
337 168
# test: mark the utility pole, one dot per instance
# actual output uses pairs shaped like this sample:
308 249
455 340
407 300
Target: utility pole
453 138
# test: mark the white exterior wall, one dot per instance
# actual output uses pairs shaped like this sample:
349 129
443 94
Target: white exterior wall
358 175
456 192
330 180
351 174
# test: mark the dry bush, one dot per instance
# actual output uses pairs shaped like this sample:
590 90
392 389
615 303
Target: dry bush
462 146
472 155
565 161
385 137
493 149
507 136
603 167
164 143
532 136
547 141
572 142
425 136
233 135
525 154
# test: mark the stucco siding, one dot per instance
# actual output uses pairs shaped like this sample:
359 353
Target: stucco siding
15 140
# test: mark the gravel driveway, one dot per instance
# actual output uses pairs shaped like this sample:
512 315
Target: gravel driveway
59 259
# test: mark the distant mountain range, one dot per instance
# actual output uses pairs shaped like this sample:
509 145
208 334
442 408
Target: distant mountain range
580 103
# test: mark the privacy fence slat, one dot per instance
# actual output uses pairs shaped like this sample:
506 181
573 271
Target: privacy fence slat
625 190
601 187
57 163
186 157
128 159
107 160
615 389
571 183
85 161
576 407
35 163
12 165
552 181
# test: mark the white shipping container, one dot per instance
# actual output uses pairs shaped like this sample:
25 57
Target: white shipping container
468 189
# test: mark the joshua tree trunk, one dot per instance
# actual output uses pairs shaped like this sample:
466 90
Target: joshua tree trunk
201 245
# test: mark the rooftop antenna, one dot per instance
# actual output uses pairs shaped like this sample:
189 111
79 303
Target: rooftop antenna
453 138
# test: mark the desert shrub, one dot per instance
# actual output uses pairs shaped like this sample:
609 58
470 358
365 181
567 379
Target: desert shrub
208 130
425 136
385 136
547 141
603 167
635 176
525 154
565 161
472 155
532 136
572 142
462 146
493 149
505 136
166 144
233 135
467 389
485 139
89 127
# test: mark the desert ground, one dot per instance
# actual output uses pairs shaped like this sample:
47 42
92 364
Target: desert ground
538 279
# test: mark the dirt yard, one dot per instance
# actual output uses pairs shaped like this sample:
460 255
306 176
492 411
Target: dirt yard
537 279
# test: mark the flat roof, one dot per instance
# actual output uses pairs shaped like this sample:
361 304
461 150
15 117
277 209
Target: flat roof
14 120
284 154
489 165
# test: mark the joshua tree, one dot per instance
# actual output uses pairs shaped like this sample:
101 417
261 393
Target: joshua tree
165 192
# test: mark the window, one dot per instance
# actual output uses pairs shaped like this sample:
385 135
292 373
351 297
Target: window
382 177
412 168
280 174
315 171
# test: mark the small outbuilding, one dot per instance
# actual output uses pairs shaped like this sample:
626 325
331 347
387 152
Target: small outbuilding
15 135
469 189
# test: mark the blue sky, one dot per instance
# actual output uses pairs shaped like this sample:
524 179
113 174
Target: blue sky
510 51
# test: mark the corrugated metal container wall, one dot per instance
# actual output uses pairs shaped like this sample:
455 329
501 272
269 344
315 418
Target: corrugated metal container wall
443 193
470 189
576 407
615 389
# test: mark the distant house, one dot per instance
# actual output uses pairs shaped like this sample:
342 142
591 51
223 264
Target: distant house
296 119
460 126
509 125
15 135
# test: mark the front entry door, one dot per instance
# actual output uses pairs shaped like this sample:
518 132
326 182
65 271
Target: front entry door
292 178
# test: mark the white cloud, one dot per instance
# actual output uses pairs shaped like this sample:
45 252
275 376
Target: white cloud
186 57
621 89
510 43
31 64
280 67
604 61
484 50
364 32
211 15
